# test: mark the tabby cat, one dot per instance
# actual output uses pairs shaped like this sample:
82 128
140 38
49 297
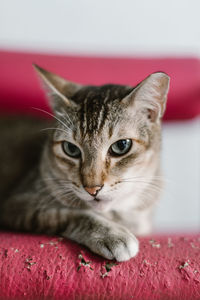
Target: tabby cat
93 173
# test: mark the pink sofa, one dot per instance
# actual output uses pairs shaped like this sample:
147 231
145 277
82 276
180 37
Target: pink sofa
40 267
20 90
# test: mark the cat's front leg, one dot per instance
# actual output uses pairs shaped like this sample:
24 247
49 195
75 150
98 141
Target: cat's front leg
102 236
84 226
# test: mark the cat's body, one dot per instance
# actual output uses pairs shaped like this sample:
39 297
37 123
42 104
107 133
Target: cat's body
94 175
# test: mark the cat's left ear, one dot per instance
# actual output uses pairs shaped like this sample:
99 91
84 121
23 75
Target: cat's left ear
150 95
57 87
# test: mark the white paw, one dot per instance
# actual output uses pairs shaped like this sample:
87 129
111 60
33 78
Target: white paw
116 244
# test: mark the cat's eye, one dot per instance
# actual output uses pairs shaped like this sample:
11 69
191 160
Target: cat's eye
71 149
120 147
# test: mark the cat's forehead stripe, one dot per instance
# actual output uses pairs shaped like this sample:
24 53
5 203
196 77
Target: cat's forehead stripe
110 131
93 114
95 106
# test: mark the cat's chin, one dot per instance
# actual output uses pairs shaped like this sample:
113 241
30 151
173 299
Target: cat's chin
100 205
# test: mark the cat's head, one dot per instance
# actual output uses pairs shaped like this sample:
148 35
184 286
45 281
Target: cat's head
107 138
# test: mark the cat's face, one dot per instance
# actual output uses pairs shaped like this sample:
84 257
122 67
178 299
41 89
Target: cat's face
107 139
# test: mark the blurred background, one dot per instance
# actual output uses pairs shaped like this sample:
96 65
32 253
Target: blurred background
126 29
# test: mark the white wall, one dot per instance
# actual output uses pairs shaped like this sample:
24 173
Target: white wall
179 208
106 26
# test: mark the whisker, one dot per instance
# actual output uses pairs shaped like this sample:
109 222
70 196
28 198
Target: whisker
65 115
52 128
48 113
149 179
145 177
147 184
56 180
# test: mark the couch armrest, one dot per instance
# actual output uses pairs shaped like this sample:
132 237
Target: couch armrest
40 267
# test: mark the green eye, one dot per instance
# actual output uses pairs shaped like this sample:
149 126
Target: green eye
120 147
71 150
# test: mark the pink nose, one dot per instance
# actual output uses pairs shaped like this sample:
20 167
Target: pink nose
93 190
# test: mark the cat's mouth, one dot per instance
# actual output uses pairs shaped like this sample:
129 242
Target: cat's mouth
97 199
100 204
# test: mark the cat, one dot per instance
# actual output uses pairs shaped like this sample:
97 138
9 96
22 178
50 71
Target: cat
93 174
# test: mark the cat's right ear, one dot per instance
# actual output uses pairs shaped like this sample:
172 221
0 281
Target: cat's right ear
150 96
58 89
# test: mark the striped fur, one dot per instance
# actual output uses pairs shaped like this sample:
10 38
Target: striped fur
48 194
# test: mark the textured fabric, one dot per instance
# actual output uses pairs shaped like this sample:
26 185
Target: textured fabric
38 267
20 90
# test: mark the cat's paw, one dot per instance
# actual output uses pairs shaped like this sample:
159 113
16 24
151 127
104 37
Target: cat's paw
116 244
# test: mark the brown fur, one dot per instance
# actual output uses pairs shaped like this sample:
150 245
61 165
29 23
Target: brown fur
45 190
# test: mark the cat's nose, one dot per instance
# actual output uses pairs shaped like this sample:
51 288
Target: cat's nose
93 190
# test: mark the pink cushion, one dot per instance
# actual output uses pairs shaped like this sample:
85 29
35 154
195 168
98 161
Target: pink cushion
40 267
20 89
